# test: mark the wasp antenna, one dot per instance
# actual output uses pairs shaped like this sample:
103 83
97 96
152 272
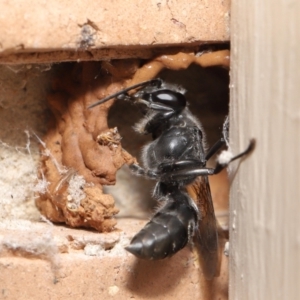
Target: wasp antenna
155 82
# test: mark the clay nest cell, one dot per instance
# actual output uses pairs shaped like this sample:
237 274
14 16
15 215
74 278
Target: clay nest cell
80 153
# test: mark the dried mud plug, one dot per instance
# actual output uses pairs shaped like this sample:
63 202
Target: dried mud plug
80 153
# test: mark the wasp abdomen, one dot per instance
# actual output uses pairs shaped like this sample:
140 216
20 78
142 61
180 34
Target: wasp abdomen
168 231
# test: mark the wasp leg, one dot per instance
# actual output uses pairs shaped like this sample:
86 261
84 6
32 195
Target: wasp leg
190 168
168 168
215 148
223 164
139 171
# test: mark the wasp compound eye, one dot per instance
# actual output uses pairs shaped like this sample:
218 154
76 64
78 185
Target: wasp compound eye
169 98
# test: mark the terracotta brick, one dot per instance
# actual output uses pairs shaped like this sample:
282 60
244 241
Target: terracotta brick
41 261
104 27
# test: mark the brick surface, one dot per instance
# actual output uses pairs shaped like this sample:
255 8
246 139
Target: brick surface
104 26
41 261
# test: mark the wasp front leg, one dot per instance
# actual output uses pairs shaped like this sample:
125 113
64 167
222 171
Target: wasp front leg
140 171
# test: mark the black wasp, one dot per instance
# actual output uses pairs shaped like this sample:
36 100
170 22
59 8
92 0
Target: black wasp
176 158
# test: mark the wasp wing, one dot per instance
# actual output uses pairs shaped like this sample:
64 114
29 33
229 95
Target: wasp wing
206 235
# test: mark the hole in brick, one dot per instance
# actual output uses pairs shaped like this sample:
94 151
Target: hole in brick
61 181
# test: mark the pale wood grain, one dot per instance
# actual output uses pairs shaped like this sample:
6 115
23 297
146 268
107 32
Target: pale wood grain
265 104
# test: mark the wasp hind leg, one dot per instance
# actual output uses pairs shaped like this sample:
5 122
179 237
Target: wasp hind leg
190 168
226 158
215 148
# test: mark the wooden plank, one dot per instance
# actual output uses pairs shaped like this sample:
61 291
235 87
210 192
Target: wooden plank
265 104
